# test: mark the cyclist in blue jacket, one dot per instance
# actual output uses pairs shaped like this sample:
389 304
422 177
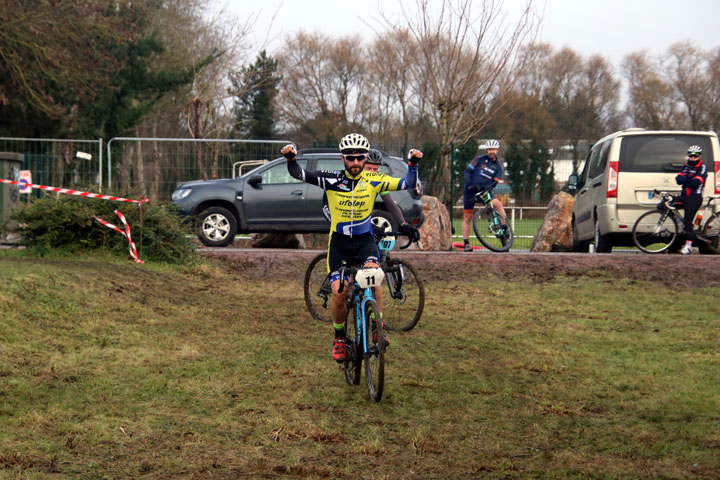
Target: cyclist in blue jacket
483 172
692 179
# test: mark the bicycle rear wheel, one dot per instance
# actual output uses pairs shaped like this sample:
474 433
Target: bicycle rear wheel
655 231
711 231
375 354
353 362
496 236
404 300
316 287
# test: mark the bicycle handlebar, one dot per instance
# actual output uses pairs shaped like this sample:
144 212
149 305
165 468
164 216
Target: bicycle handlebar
400 234
344 268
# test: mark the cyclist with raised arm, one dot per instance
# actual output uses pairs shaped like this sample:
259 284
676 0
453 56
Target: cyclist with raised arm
692 179
351 196
482 173
372 165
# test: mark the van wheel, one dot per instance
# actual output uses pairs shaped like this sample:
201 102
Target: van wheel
577 245
216 227
602 242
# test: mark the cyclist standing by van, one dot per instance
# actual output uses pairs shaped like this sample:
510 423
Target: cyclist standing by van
692 179
351 196
483 172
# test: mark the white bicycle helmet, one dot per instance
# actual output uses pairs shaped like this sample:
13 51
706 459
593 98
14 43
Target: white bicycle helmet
356 142
694 150
492 144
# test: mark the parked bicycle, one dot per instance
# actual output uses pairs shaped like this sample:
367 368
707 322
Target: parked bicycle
658 230
403 301
365 335
491 227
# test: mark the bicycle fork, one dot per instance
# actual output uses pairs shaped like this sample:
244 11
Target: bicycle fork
395 277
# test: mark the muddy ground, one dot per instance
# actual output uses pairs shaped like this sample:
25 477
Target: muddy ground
666 269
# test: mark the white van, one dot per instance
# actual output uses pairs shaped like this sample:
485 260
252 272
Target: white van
620 174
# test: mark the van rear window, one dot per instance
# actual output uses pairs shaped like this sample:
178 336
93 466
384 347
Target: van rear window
661 153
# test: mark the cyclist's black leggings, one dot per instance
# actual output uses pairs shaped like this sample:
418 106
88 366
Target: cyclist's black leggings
690 205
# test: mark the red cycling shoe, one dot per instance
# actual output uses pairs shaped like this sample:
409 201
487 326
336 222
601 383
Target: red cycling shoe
339 350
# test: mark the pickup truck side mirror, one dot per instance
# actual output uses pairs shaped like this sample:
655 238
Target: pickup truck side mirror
254 180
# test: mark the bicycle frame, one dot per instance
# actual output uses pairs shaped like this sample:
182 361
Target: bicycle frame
360 298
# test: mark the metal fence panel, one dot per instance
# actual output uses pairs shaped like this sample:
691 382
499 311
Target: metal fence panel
152 167
62 163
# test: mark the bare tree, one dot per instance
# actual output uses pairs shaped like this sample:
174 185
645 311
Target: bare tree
465 61
392 58
323 87
714 94
687 69
650 103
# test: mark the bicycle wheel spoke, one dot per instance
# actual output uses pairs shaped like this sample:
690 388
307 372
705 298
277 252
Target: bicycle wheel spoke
375 354
317 289
711 232
493 230
654 232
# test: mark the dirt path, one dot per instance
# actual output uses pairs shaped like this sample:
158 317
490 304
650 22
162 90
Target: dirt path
667 269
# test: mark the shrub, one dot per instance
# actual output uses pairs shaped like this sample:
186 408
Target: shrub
67 223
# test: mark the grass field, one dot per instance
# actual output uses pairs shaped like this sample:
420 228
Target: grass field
112 370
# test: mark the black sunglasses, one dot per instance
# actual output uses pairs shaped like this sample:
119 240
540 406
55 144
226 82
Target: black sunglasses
355 158
694 155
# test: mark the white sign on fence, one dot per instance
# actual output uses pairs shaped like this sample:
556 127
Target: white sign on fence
25 180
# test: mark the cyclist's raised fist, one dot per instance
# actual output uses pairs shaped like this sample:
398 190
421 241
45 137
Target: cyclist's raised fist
289 151
414 156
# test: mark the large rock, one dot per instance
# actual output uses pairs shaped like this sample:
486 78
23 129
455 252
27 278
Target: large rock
435 232
555 233
277 240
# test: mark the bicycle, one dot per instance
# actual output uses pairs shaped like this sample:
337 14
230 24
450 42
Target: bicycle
366 338
403 303
657 231
499 235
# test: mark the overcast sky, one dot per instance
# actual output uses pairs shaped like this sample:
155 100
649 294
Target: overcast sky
611 28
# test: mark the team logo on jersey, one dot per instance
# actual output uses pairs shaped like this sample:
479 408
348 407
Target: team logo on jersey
344 186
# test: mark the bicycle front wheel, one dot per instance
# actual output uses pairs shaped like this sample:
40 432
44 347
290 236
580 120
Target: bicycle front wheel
374 350
353 361
493 229
316 287
655 231
711 233
404 299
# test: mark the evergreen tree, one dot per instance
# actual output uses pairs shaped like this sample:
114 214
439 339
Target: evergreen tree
256 86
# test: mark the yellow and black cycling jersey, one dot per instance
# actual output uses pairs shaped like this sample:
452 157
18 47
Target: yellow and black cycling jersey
351 199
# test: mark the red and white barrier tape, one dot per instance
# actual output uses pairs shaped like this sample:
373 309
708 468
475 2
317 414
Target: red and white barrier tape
125 233
75 192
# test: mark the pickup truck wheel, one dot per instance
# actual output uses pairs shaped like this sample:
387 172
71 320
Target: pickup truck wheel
216 227
384 220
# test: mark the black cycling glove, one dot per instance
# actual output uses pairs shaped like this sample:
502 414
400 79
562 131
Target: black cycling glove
412 232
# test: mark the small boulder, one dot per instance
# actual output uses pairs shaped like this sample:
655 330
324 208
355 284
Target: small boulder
555 233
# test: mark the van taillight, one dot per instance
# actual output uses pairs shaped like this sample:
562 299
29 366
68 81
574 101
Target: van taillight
717 178
612 183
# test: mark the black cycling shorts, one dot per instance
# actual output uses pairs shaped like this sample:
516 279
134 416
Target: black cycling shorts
356 251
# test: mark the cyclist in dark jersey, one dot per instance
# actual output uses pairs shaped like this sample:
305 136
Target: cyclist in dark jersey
351 196
692 179
483 172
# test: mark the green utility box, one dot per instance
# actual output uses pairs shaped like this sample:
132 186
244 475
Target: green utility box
10 164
